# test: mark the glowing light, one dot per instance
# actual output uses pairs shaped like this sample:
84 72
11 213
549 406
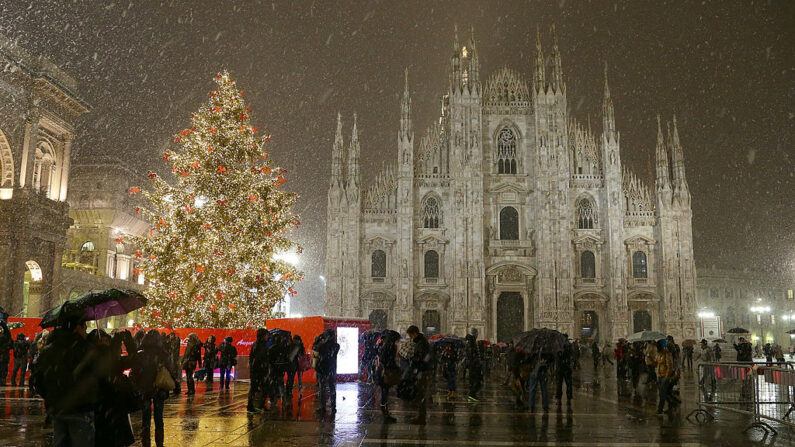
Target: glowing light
348 357
760 309
706 314
35 271
755 338
464 52
130 322
289 257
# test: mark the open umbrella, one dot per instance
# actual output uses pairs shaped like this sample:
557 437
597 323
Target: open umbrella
719 340
738 330
436 337
646 336
369 334
277 331
96 305
545 341
501 344
452 340
16 325
791 331
688 342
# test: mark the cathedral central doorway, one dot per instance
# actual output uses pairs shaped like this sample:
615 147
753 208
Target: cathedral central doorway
431 323
589 325
510 316
641 320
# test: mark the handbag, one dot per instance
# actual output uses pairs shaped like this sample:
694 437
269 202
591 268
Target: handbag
126 394
391 376
164 381
304 362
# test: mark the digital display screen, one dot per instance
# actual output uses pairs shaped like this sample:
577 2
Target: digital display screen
348 358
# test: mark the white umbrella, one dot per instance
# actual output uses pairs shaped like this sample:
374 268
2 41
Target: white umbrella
646 336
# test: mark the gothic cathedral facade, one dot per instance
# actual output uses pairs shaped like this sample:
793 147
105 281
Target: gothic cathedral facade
510 214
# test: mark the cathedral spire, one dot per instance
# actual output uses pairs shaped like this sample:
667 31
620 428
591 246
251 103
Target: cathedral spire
540 82
663 180
337 155
608 116
353 157
557 65
474 65
678 161
406 132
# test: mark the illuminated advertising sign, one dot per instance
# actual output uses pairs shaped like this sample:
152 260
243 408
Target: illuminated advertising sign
348 357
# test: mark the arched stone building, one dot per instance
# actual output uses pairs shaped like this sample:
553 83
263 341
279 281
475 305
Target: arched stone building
509 214
38 108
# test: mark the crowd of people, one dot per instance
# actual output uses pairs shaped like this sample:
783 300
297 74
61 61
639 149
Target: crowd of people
92 382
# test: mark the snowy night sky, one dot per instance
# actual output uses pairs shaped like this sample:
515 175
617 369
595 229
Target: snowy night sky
724 68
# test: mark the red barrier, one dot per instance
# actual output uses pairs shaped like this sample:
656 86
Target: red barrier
307 327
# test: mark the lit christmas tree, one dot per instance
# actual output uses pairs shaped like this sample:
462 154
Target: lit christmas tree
211 257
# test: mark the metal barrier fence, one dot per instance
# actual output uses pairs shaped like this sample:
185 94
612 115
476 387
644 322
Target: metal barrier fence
756 389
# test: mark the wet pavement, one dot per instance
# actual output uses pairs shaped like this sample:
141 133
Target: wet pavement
607 415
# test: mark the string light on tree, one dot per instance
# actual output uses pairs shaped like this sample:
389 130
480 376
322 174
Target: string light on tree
213 257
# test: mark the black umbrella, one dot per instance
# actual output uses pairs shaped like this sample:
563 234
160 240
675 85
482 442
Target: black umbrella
791 331
95 305
738 330
452 340
544 341
369 334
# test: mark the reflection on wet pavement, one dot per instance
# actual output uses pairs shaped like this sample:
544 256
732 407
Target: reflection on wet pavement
608 415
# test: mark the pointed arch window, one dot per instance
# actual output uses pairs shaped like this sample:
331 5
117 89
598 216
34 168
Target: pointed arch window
506 152
509 224
587 265
378 269
431 264
639 267
586 214
431 213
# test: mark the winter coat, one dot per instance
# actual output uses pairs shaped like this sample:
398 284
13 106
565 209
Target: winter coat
744 352
210 355
258 358
66 376
228 357
327 349
146 366
663 363
192 357
21 348
112 422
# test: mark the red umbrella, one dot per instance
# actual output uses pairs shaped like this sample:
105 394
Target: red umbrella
436 337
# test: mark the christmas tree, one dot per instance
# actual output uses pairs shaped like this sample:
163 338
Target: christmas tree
211 257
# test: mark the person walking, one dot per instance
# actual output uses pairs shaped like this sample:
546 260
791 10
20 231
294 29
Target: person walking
768 351
664 364
259 369
326 349
149 360
210 360
688 354
39 341
595 356
67 380
474 367
387 371
778 354
172 345
538 377
227 361
192 358
21 347
564 369
117 397
449 361
637 362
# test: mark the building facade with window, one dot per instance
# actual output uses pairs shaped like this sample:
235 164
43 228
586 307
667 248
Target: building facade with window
99 253
508 214
761 302
38 109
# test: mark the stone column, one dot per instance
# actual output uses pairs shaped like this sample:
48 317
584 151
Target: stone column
64 171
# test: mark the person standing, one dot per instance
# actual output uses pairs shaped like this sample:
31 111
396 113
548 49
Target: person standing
258 367
595 355
718 351
778 354
172 345
327 348
421 365
210 360
768 351
706 355
474 367
744 350
564 370
386 355
66 378
636 362
192 358
664 364
6 345
149 360
296 350
227 361
20 348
